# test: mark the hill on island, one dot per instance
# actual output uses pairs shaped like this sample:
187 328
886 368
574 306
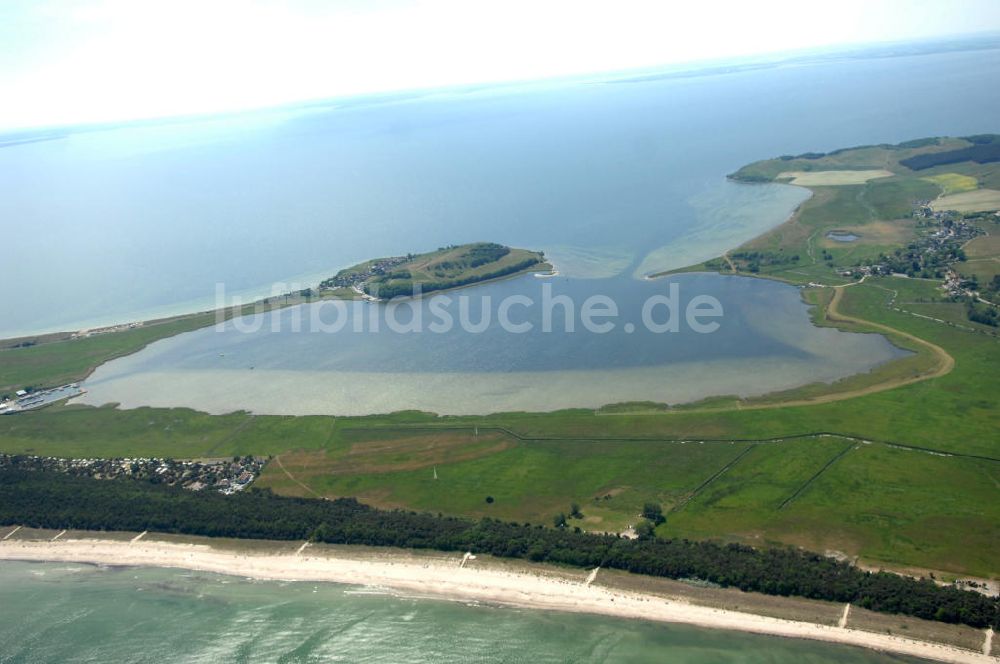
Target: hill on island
448 267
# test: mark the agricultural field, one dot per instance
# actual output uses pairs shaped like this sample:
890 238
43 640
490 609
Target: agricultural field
983 258
832 178
979 200
953 183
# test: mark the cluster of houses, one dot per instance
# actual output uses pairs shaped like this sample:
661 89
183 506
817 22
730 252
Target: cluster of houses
932 250
952 226
923 210
224 475
353 278
956 286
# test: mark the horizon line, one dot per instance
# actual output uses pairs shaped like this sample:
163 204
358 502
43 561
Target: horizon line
704 66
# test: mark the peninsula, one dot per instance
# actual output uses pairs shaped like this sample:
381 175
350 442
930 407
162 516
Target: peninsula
447 268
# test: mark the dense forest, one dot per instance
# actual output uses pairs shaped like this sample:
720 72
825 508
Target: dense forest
45 499
404 288
985 149
477 254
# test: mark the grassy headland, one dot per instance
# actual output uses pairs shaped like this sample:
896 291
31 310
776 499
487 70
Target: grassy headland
444 269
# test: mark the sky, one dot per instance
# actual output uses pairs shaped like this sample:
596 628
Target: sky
82 61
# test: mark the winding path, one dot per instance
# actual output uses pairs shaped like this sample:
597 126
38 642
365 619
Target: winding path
945 363
277 459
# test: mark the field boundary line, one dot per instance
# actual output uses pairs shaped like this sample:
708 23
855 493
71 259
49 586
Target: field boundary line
650 439
698 489
251 419
277 460
819 472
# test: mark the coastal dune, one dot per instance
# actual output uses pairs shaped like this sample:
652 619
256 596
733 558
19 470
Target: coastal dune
452 579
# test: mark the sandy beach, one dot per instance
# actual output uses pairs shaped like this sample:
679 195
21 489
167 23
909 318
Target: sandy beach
451 579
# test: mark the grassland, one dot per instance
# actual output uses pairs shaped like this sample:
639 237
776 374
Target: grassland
899 467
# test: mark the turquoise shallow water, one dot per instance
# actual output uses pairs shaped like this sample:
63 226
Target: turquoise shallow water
56 612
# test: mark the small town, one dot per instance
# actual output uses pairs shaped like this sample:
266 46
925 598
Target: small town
931 254
226 476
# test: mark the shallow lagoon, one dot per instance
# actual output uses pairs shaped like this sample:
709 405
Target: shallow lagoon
291 365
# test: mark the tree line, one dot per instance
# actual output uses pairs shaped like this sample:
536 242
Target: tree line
985 149
43 499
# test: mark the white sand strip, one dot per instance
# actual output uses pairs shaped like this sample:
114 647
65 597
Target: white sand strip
138 537
988 641
843 619
301 548
7 536
591 576
439 577
61 533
